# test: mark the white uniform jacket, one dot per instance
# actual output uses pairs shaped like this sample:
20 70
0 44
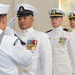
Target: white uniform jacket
63 49
73 30
73 62
9 31
42 58
12 55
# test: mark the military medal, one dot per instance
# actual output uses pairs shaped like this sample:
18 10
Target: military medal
31 44
62 40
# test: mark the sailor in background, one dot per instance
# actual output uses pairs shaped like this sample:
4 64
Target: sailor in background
12 53
63 46
71 17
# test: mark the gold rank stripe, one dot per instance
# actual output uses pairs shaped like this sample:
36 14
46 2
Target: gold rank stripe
56 15
72 17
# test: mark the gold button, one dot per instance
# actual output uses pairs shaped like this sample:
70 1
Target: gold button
54 38
54 46
24 35
56 32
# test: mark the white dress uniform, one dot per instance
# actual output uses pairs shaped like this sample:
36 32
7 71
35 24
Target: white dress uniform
74 62
73 59
38 43
12 55
73 29
9 31
42 58
63 50
71 15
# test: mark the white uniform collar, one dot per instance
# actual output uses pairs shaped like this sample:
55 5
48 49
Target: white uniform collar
1 31
73 28
30 30
58 29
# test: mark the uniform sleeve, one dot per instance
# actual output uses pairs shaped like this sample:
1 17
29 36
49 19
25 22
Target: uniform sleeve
72 49
20 55
9 31
46 55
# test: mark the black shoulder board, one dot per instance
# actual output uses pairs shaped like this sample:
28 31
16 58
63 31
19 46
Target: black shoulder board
49 31
66 29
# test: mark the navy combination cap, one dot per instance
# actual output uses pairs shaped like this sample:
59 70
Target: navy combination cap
71 14
25 10
54 12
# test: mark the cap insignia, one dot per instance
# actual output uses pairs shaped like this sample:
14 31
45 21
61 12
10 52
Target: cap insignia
21 9
71 14
53 11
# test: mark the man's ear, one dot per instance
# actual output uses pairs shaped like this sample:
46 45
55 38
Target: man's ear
33 19
4 20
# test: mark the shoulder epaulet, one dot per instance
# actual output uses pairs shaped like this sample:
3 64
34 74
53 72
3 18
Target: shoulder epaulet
49 31
66 29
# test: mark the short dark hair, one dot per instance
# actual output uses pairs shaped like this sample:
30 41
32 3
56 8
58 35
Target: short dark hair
2 15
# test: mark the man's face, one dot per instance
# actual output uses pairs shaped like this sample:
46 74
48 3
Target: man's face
56 21
3 21
25 22
72 22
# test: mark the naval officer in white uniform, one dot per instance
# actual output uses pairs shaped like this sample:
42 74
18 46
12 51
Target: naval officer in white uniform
36 41
12 53
63 46
71 17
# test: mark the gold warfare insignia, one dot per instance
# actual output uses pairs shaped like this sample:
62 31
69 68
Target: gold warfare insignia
21 9
62 40
53 12
31 44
